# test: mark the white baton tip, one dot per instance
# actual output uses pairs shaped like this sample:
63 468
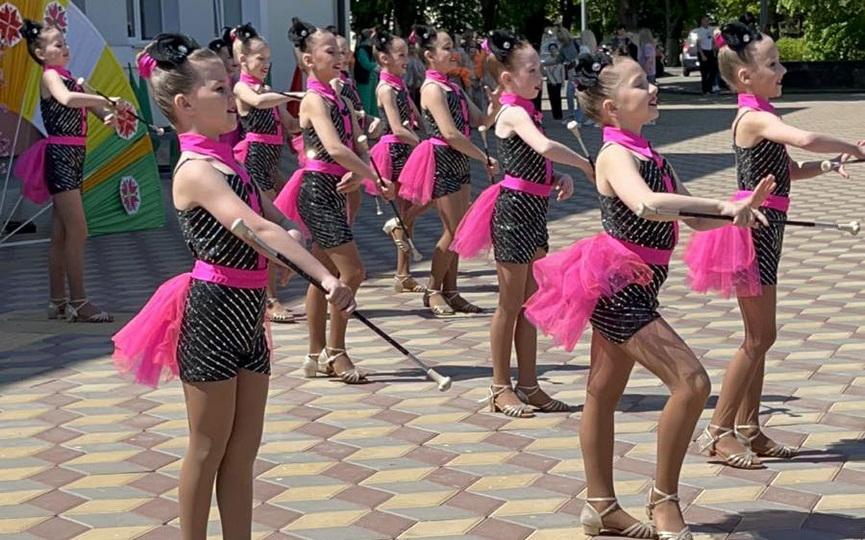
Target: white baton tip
445 384
481 129
826 166
238 226
160 131
572 125
80 81
641 210
362 139
854 228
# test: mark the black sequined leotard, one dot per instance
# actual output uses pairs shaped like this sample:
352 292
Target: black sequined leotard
262 159
349 92
322 208
622 315
64 164
752 165
452 166
399 152
223 327
519 225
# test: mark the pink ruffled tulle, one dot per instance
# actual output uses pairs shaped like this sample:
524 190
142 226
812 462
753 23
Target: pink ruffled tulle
571 281
723 260
147 346
418 174
474 234
380 155
286 201
30 168
297 146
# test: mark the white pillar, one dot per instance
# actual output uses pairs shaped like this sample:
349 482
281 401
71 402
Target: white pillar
584 22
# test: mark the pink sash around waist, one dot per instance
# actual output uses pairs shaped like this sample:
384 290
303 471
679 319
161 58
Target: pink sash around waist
655 256
230 277
30 167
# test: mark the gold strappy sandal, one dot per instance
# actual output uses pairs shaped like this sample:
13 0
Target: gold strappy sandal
400 287
56 308
351 376
593 521
438 311
392 225
552 406
778 451
684 534
515 411
285 316
460 304
707 443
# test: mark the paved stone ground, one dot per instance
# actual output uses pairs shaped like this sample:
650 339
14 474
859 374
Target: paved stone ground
86 455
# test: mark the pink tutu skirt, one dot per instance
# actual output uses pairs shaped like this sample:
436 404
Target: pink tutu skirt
147 346
380 155
571 281
418 176
723 260
30 168
474 234
286 201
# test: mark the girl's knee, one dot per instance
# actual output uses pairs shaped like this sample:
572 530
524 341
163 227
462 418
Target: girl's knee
207 452
759 343
353 276
695 387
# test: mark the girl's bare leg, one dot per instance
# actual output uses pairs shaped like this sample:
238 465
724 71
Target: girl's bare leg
451 211
57 257
512 291
463 196
316 306
350 269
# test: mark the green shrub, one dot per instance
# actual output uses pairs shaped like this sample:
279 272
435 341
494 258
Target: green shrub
792 49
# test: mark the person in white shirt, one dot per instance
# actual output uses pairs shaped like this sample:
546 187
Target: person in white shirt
708 58
555 72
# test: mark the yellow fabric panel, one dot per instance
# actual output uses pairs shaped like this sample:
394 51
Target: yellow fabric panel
139 149
20 72
110 79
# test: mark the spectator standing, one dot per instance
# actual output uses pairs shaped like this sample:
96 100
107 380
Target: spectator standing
555 72
648 54
708 58
568 52
366 72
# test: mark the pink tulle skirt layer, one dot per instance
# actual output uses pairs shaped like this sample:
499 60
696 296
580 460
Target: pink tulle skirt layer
723 260
418 176
380 155
147 346
571 281
286 201
30 168
474 236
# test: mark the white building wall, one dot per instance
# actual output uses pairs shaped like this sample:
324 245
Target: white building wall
197 18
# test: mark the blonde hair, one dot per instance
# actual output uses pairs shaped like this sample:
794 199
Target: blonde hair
730 62
588 39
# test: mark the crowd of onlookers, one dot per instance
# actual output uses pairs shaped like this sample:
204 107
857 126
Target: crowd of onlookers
559 54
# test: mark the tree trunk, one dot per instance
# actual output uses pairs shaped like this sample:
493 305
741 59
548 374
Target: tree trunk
627 14
568 10
489 10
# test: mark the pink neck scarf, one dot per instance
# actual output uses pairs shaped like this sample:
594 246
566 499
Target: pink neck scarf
222 152
250 79
508 98
392 80
750 101
317 87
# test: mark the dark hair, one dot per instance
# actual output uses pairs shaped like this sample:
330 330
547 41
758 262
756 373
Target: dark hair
423 38
551 45
241 36
383 41
737 49
333 30
32 32
502 45
622 27
174 73
595 81
220 43
299 33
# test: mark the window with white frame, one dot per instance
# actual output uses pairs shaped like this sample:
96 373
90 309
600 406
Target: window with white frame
143 19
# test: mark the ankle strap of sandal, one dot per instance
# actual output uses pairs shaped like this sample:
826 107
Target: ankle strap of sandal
665 497
609 509
495 393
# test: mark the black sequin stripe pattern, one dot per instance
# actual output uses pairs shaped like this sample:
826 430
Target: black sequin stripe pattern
260 121
622 315
323 210
60 119
262 163
311 141
452 166
403 107
349 92
64 167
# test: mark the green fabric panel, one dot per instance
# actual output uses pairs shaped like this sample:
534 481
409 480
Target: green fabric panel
104 210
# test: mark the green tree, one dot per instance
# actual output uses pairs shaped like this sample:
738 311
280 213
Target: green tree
833 29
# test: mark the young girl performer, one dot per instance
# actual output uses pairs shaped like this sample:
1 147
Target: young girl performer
613 280
394 147
438 168
747 262
263 120
315 196
208 325
222 46
512 217
55 168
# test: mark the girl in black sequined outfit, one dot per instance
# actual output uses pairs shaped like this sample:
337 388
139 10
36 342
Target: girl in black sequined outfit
398 120
511 216
612 280
749 63
64 108
315 195
438 169
207 326
264 119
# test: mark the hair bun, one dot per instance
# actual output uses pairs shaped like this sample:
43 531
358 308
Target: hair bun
299 32
382 40
30 30
590 67
738 35
171 50
502 43
245 32
423 33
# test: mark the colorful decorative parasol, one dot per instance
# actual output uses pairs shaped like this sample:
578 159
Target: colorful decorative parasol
121 179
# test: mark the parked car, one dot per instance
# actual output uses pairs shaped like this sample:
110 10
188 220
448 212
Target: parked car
690 57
